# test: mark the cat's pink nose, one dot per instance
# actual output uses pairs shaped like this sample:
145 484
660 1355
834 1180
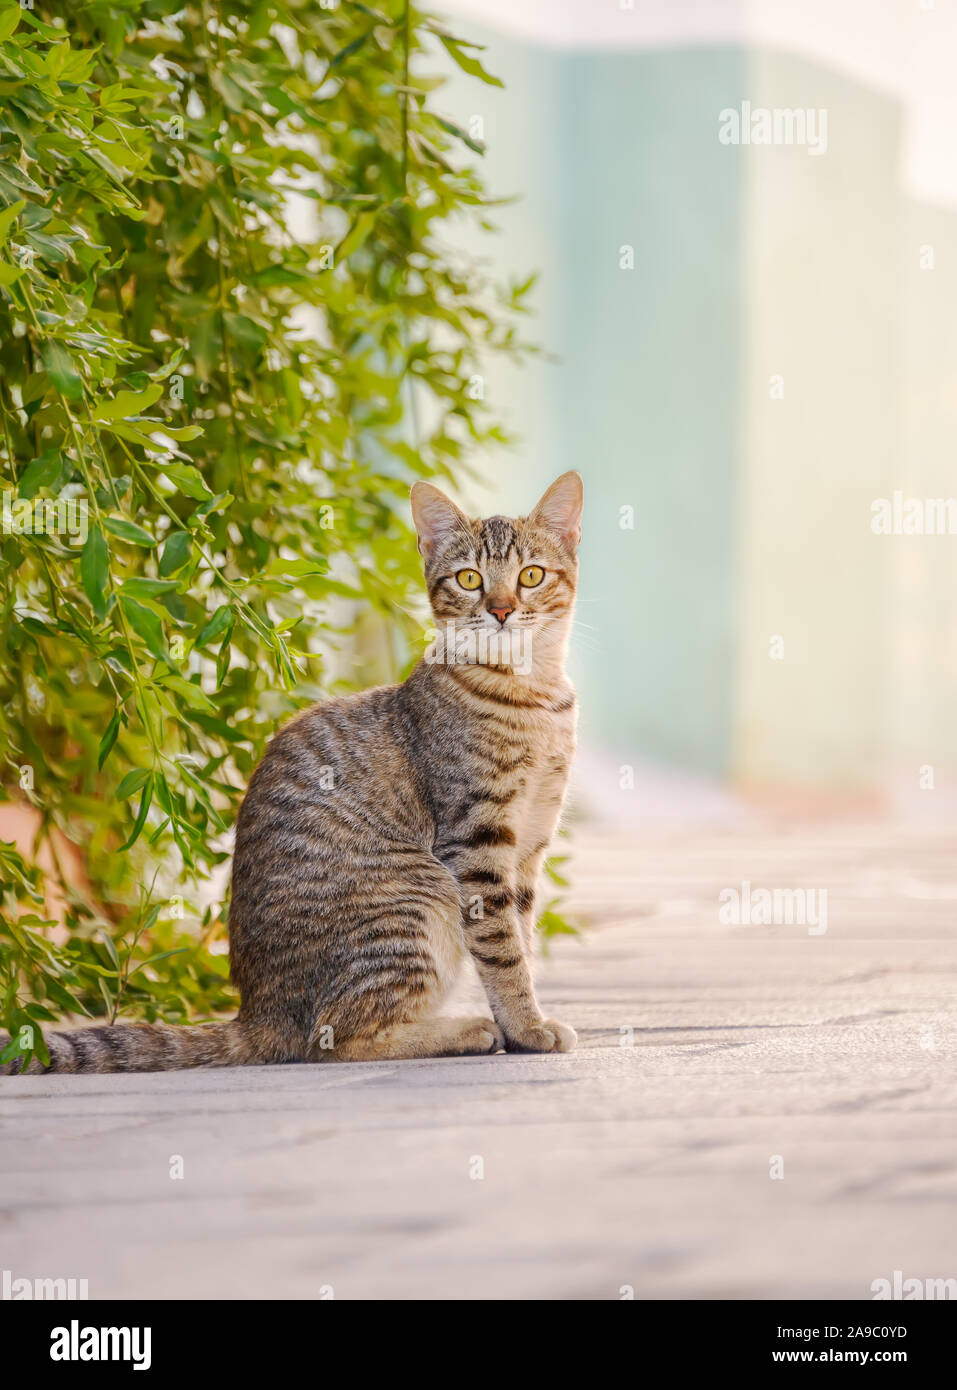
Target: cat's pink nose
501 613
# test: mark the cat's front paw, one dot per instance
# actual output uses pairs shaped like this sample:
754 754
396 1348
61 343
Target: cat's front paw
481 1035
547 1036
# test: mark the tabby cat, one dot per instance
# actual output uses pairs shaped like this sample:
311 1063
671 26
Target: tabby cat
387 835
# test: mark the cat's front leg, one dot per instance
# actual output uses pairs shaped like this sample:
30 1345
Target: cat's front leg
527 894
498 950
494 935
538 828
529 872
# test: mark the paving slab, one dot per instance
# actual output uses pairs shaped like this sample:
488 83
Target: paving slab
754 1111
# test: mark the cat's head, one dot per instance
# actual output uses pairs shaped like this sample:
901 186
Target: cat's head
503 580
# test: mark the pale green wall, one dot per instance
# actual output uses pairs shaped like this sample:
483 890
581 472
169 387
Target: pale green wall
752 516
822 308
524 164
610 150
924 632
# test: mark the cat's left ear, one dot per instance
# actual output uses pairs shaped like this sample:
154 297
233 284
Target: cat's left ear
561 508
435 516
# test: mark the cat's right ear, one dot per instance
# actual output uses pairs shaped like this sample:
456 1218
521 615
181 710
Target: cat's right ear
435 516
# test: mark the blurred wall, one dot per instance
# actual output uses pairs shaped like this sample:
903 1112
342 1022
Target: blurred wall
774 361
820 404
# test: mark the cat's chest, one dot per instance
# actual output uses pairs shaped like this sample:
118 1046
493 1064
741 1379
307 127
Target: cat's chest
540 745
545 770
510 769
540 781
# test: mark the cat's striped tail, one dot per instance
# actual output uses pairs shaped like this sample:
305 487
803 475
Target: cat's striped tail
143 1047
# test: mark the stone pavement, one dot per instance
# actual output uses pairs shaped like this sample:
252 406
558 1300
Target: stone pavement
711 1055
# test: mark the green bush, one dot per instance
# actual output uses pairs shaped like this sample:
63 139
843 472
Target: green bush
238 410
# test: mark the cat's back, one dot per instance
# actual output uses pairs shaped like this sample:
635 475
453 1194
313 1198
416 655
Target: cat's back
341 765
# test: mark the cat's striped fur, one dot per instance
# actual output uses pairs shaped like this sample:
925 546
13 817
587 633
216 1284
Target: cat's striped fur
387 835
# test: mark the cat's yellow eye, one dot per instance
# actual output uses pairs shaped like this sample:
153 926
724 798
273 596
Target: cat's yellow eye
469 579
531 576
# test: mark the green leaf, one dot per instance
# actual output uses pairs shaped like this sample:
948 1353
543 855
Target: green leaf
128 531
108 739
154 960
9 19
350 48
176 552
35 387
41 472
188 479
218 504
357 235
221 619
145 624
180 432
61 370
143 587
132 782
55 57
192 694
95 570
110 948
126 404
145 802
456 50
477 145
66 999
12 1051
